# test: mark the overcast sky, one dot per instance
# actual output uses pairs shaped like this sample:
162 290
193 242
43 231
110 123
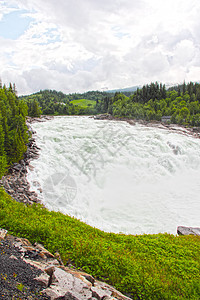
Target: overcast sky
81 45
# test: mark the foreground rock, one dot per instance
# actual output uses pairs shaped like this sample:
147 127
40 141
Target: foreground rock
44 274
16 276
182 230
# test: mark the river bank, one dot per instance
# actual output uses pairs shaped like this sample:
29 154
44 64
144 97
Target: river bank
181 129
15 181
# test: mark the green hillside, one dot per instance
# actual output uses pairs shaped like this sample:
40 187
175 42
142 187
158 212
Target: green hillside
84 103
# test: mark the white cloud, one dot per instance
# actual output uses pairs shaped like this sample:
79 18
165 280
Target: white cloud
83 45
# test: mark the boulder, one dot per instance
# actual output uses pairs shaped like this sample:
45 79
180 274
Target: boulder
66 286
183 230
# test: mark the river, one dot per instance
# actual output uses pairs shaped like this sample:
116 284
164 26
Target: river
117 177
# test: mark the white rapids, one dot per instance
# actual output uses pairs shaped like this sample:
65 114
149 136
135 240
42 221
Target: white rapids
118 177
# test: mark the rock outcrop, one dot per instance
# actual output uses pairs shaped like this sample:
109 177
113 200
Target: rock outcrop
58 281
183 230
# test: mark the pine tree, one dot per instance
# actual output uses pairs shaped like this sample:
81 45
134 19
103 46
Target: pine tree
2 135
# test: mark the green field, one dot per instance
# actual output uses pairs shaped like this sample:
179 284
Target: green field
84 103
159 266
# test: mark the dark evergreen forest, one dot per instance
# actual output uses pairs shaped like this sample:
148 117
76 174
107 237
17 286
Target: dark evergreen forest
181 104
13 129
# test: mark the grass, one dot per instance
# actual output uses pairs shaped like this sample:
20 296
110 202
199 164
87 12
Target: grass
160 266
83 103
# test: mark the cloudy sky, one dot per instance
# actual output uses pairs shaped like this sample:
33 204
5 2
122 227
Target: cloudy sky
81 45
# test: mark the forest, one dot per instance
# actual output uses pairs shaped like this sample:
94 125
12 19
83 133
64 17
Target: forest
180 103
13 130
51 102
152 102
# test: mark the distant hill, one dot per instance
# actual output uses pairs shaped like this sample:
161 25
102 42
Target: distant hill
128 89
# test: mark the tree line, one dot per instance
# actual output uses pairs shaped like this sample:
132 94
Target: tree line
180 103
152 102
13 129
51 102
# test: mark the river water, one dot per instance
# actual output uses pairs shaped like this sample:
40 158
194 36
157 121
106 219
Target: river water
118 177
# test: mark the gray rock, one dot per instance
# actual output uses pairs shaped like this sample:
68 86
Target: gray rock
43 279
52 293
196 129
43 250
65 285
89 278
183 230
16 167
99 293
72 295
13 257
50 270
109 298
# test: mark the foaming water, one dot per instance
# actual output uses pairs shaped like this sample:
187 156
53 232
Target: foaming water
118 177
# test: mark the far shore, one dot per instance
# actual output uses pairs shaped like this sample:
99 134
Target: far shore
181 129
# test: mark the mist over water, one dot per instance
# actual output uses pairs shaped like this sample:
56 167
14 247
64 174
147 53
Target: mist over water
118 177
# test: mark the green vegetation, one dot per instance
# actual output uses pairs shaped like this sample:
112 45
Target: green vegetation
20 287
159 266
84 103
13 129
181 103
151 102
33 108
56 103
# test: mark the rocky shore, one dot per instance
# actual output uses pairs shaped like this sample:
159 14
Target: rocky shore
189 131
15 182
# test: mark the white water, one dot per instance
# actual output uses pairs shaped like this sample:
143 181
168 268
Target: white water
118 177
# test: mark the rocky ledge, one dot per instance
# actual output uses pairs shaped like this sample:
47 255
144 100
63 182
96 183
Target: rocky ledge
31 272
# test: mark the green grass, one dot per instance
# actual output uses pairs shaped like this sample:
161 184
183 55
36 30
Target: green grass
160 266
83 103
